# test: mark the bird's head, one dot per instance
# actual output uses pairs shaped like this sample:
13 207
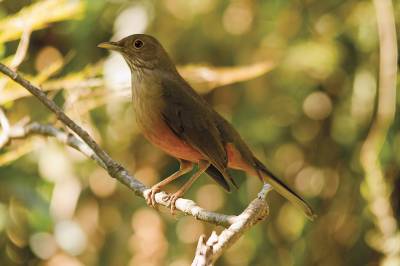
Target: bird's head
141 51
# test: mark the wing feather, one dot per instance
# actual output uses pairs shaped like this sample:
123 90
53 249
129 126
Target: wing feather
191 119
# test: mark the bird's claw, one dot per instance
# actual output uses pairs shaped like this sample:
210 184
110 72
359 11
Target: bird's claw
172 200
151 199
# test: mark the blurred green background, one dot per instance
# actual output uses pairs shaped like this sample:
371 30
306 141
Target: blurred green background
308 73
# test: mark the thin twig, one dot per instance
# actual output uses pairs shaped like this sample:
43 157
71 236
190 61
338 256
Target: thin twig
63 137
23 45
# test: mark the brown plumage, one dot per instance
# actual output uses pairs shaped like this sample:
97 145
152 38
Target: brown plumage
176 119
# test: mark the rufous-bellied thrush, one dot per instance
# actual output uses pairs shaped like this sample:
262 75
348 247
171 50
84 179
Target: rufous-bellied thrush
176 119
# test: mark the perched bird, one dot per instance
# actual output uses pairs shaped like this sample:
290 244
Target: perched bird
173 117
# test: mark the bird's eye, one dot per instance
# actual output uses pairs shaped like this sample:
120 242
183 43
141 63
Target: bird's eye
138 44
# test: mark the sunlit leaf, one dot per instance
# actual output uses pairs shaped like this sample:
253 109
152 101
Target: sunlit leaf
37 16
99 98
206 78
84 78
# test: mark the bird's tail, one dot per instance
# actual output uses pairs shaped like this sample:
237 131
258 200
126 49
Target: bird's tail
283 189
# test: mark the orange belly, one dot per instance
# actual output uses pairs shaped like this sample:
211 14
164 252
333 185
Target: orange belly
165 139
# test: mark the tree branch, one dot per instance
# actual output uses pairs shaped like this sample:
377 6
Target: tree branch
209 251
22 132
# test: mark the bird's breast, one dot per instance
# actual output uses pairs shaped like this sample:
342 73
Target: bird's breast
148 104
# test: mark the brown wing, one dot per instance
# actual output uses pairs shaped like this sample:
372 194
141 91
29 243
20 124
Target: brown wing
191 119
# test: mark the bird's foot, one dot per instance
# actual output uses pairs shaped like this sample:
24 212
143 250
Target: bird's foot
172 200
151 199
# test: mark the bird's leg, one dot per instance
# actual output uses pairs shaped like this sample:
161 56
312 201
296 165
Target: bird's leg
184 167
203 165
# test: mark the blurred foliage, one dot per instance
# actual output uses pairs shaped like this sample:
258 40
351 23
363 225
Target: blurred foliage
306 119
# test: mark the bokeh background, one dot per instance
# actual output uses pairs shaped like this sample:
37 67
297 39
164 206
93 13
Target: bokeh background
297 78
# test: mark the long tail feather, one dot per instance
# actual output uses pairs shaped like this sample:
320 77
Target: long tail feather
284 190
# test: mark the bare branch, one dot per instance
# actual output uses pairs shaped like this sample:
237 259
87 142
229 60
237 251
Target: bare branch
209 251
63 137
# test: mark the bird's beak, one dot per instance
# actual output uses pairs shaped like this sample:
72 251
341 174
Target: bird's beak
110 46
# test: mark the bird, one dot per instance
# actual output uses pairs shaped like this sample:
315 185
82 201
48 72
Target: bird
175 118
